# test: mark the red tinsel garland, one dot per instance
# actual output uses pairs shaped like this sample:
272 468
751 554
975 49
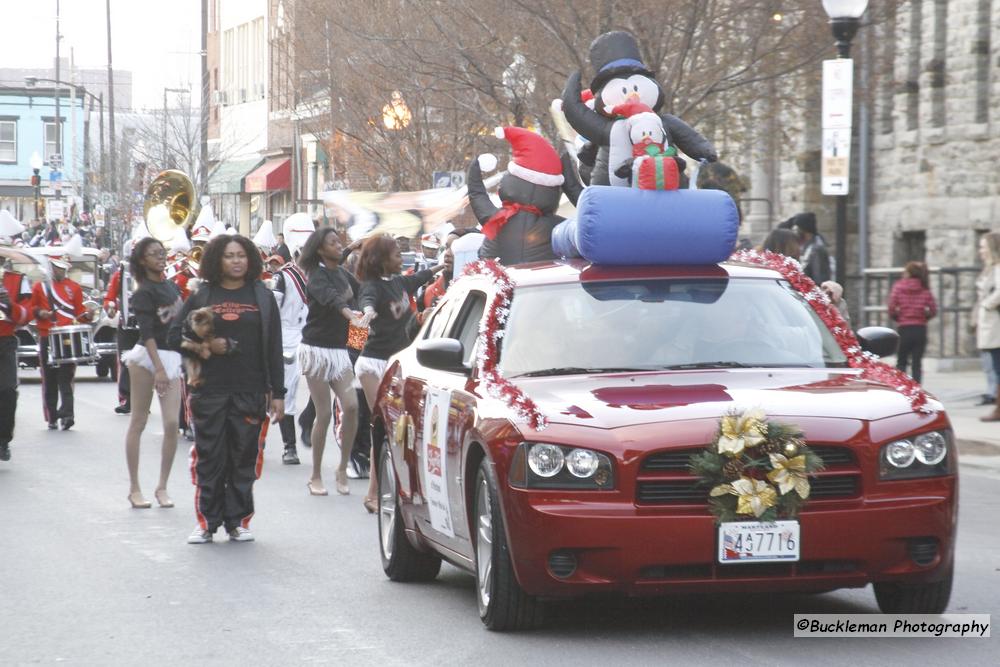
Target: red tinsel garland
870 365
491 330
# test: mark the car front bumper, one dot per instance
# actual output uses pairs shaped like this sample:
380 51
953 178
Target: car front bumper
620 547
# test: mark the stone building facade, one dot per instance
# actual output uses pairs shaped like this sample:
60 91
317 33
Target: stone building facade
933 103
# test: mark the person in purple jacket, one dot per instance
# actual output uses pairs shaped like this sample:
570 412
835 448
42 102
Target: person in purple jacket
911 305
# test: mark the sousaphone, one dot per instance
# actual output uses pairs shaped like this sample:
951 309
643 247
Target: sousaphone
170 206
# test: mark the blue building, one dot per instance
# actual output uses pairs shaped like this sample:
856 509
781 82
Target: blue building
28 127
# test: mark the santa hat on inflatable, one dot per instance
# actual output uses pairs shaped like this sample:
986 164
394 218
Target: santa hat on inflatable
534 160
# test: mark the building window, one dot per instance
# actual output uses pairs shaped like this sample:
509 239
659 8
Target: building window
8 141
981 49
912 85
937 66
910 247
50 141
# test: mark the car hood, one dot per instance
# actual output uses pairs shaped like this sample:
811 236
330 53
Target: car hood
618 400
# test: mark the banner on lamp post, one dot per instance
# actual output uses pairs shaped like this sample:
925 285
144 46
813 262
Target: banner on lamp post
838 86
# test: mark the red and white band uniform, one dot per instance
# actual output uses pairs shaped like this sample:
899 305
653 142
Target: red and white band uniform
63 309
15 311
290 293
126 336
181 273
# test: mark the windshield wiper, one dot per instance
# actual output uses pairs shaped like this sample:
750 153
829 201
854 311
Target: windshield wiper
707 364
576 370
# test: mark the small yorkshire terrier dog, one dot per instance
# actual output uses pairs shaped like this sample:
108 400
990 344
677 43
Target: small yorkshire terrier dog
203 325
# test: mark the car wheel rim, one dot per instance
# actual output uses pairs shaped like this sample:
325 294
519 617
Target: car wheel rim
387 506
484 543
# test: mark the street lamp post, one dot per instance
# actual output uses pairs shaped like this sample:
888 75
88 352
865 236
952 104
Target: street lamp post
845 18
36 178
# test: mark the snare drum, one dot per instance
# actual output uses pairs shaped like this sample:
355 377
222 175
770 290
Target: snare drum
71 345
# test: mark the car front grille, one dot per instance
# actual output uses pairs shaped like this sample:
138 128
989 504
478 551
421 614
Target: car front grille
682 491
677 459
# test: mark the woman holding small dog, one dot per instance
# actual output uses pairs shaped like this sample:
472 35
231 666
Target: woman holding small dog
238 381
323 355
152 366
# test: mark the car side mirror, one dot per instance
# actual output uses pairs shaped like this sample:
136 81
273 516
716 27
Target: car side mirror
442 354
880 341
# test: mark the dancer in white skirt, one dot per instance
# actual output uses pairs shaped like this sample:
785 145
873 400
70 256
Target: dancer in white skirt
385 302
152 366
331 292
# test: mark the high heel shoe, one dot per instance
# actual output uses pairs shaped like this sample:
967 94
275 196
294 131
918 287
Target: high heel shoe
371 505
162 498
342 487
141 503
316 491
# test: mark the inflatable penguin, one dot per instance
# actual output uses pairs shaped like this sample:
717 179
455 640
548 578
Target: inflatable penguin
521 229
621 78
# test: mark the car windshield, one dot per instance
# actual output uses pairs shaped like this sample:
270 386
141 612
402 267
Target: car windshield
663 324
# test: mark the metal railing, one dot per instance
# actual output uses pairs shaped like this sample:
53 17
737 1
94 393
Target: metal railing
954 288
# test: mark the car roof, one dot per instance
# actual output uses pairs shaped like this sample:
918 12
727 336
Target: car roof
579 270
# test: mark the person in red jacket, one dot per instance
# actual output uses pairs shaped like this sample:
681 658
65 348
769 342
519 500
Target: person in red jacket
15 311
58 303
911 305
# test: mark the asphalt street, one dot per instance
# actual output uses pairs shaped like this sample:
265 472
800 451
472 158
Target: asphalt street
85 579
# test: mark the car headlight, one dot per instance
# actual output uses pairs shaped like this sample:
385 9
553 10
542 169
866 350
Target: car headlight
538 465
546 460
926 455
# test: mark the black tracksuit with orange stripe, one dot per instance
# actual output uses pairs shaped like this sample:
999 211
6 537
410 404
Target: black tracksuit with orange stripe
230 408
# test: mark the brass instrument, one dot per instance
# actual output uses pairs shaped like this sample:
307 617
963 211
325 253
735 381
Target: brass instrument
194 257
170 206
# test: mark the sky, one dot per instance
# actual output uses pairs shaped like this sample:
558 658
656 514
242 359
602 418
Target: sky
157 41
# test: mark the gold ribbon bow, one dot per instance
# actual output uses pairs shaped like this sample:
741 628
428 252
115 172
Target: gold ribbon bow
753 495
740 432
789 474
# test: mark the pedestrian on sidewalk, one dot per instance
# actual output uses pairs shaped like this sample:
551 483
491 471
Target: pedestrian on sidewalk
911 305
151 365
239 383
986 317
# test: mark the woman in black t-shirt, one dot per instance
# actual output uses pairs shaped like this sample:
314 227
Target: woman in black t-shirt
385 303
152 366
331 292
241 380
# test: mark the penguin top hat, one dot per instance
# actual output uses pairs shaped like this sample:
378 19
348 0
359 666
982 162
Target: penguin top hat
534 160
615 54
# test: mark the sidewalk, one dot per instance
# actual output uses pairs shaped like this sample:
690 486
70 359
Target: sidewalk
978 442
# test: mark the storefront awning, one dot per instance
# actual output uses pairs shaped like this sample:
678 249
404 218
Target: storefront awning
228 176
275 174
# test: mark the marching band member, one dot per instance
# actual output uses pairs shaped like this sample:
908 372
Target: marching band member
384 299
15 311
240 382
323 354
126 335
152 366
290 293
57 303
181 273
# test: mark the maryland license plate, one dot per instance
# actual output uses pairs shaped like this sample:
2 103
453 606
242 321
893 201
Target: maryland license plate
758 542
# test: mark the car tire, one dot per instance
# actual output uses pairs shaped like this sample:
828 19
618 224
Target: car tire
928 598
503 604
401 561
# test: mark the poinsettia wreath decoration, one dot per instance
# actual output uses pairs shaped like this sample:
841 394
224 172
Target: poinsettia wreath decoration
755 468
491 330
869 364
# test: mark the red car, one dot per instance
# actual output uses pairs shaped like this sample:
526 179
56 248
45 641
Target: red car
633 368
